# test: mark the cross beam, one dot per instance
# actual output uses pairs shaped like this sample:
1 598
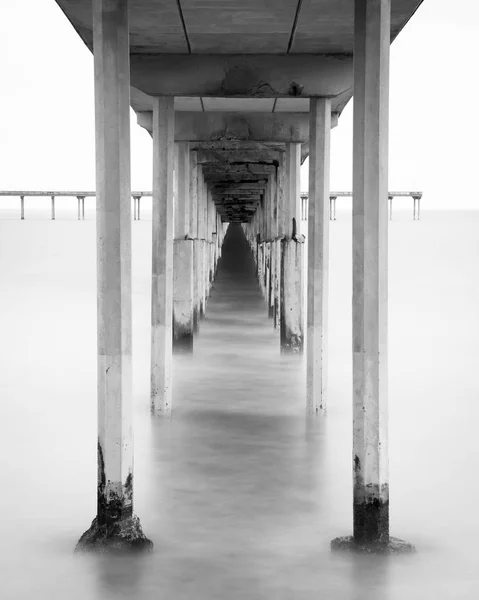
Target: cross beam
244 76
254 126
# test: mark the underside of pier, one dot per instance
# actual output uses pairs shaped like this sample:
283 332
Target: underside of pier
235 96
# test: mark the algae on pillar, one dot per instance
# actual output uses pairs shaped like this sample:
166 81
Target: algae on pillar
115 527
162 254
370 283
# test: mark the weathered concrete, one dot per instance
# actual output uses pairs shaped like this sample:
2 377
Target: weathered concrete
291 326
115 527
291 288
370 276
200 248
183 324
318 255
392 546
162 255
194 233
248 127
247 75
281 232
183 256
292 198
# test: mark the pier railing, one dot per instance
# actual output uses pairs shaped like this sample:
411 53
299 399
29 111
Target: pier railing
416 197
79 195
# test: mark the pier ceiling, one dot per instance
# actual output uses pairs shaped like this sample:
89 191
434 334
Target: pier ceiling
238 27
212 54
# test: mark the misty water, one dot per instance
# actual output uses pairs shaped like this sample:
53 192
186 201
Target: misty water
240 491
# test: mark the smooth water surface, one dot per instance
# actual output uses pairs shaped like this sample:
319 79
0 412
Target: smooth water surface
240 491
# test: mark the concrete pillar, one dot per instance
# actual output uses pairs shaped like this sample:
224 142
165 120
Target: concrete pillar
200 259
162 254
197 267
183 256
416 212
136 208
370 281
79 204
332 208
292 206
211 239
291 327
53 208
318 253
194 234
391 207
271 234
115 527
83 208
205 246
281 232
22 208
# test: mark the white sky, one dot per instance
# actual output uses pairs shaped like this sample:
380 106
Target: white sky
47 121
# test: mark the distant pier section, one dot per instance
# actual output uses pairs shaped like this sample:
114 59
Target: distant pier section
136 196
416 197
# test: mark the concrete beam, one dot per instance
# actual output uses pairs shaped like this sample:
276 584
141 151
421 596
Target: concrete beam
260 185
245 76
254 126
225 157
245 168
237 146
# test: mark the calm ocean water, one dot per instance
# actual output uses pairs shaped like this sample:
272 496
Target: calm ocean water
240 491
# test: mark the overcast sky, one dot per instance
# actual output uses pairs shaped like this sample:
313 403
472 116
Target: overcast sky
47 120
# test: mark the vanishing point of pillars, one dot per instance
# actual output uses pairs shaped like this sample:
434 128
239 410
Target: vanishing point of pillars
191 240
275 239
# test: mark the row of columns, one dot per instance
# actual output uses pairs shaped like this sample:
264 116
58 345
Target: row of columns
198 239
187 240
186 243
278 248
273 234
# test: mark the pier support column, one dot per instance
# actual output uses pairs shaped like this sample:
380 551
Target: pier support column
115 526
200 258
370 282
318 253
194 233
22 208
291 327
162 254
183 256
280 233
271 234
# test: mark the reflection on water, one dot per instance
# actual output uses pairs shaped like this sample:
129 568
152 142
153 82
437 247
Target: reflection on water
240 491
